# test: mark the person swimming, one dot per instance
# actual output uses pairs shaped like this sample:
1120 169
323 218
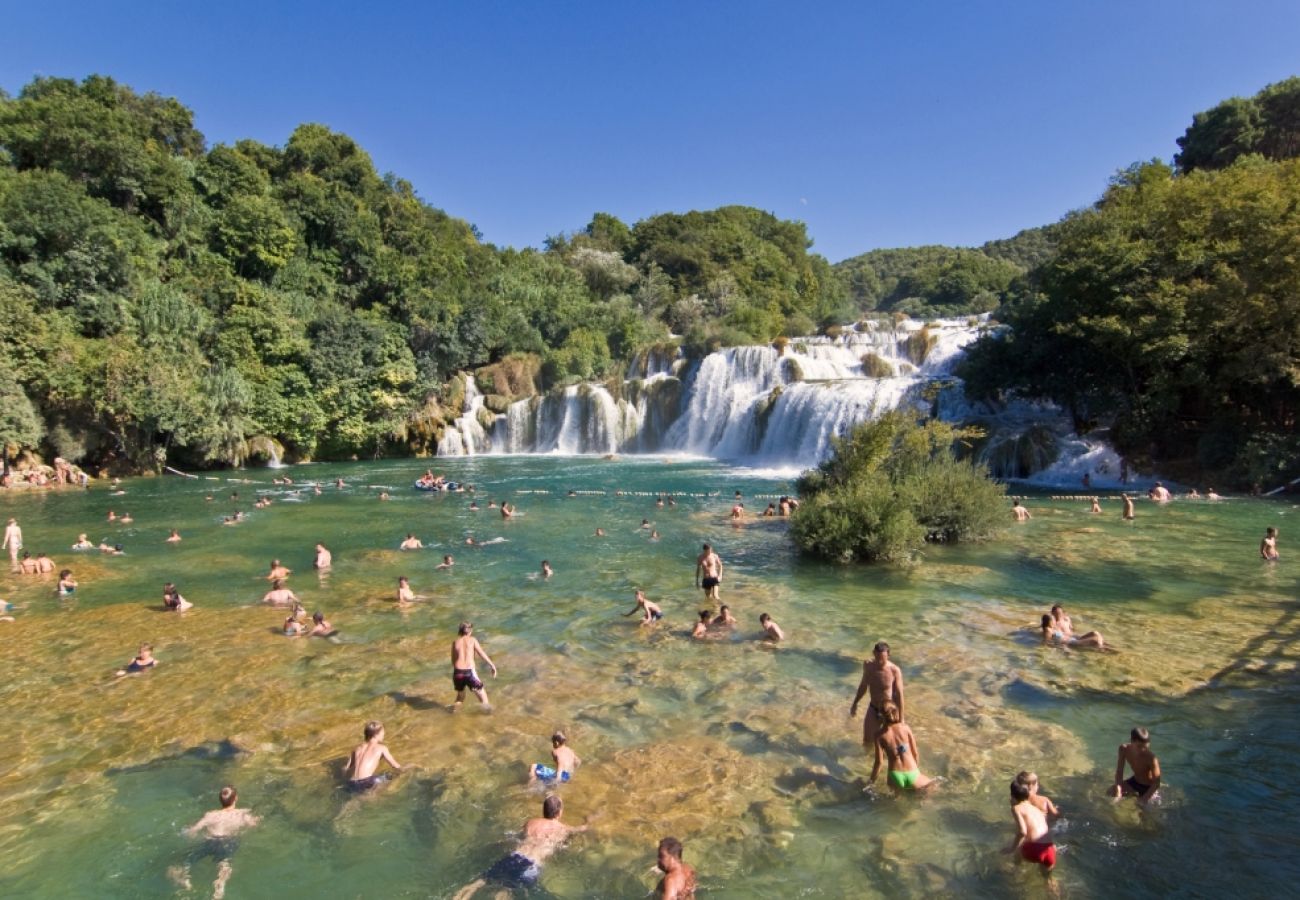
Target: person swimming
566 762
67 584
364 761
321 626
142 660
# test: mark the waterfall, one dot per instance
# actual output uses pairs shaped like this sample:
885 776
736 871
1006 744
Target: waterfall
760 405
274 462
466 436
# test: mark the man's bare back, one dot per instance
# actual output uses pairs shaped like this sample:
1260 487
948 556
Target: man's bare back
221 823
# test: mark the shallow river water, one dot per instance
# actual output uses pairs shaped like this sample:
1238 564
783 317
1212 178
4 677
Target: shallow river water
744 752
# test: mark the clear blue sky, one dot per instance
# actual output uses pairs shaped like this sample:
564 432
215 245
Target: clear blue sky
879 123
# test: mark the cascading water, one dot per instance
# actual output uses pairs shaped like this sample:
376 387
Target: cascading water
780 408
466 435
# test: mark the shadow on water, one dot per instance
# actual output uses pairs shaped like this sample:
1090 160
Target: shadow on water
414 701
223 751
1265 660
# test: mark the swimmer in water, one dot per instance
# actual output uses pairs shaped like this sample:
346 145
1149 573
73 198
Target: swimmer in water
447 562
463 651
83 543
1032 837
1268 546
600 532
1128 507
1044 803
1019 511
566 762
279 595
523 867
678 882
701 628
321 626
174 537
652 611
364 761
1053 631
404 593
278 572
324 559
411 543
473 505
292 627
645 523
547 571
67 584
724 618
220 828
1137 755
1096 505
654 535
896 743
771 630
172 599
142 660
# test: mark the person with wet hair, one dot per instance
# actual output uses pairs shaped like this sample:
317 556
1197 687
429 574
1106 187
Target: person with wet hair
364 761
220 829
566 762
884 680
463 675
678 882
1144 783
771 631
702 626
1044 803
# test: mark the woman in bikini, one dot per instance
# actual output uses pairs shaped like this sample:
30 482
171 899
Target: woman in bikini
897 744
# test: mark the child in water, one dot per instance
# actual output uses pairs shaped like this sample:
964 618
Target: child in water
566 761
143 660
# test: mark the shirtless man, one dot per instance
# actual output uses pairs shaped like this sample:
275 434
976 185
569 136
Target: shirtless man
14 541
27 565
547 571
324 559
1160 493
447 563
566 762
44 565
404 593
278 572
1137 755
1019 511
1096 505
411 543
522 868
279 595
771 630
220 828
1044 803
361 765
1268 546
463 651
1128 507
652 611
321 626
884 680
724 618
709 566
174 537
1032 838
678 882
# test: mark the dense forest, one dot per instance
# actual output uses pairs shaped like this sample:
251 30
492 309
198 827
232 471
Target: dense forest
166 301
1170 310
162 300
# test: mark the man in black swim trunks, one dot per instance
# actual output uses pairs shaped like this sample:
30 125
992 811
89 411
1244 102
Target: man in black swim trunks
523 867
708 572
364 761
463 676
884 680
1145 782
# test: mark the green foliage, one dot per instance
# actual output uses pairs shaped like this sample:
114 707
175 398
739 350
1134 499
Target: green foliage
890 486
1170 311
875 366
1267 123
20 426
933 280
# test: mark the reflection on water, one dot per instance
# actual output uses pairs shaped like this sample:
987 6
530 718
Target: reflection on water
745 752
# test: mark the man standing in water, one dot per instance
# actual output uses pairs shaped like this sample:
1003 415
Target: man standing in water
1019 511
463 651
708 565
365 759
14 541
324 559
678 882
1145 782
523 867
884 680
220 828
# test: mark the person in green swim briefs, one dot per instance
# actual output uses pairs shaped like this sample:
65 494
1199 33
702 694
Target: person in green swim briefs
897 744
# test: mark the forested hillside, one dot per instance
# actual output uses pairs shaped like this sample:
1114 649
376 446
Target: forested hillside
161 299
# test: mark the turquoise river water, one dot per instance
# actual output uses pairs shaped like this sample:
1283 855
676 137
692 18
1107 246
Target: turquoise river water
744 752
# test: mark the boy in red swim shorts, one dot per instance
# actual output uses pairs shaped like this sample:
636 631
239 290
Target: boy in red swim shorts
1031 829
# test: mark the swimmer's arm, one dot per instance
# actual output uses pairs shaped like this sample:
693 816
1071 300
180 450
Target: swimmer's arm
1117 788
634 609
862 689
1051 807
388 758
898 692
699 567
478 649
1021 833
347 766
